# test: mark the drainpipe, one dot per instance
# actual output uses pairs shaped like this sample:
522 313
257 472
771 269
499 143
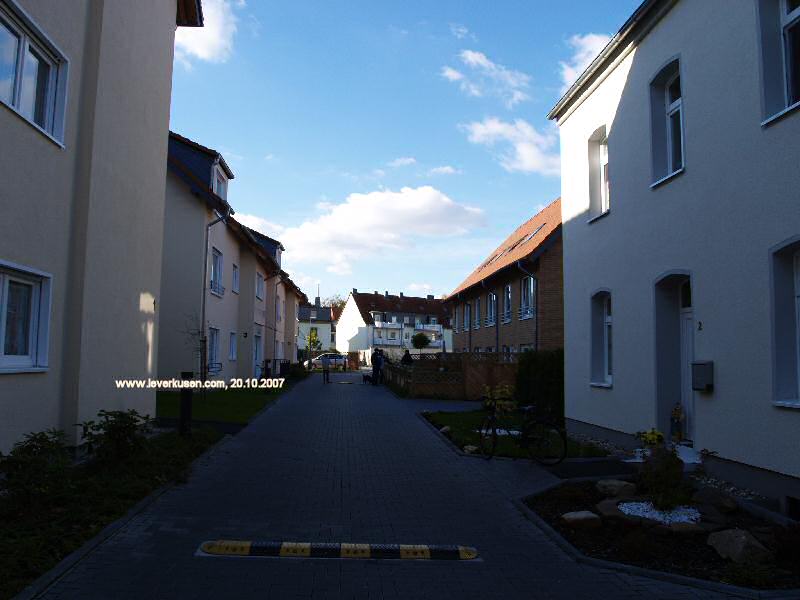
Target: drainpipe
536 300
203 337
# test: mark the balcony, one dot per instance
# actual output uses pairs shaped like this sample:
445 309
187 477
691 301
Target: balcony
526 312
387 342
388 325
435 327
435 344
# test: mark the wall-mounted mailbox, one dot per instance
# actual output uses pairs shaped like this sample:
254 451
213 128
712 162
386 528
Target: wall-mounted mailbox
703 376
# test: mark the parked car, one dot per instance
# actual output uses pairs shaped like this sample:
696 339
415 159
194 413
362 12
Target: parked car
337 361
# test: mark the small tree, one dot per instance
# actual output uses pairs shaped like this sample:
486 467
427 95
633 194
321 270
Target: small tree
313 344
420 341
336 301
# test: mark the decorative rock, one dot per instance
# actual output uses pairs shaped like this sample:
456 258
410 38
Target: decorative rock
470 449
710 514
616 488
445 429
584 519
608 508
686 528
738 545
716 498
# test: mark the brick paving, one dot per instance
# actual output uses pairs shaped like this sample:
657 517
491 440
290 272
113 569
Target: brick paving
346 463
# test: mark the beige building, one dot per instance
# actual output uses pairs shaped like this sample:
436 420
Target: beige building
245 291
83 165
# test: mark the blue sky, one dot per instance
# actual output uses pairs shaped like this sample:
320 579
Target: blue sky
389 146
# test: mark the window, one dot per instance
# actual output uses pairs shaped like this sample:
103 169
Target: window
232 346
434 321
599 184
477 319
313 314
259 286
33 72
213 346
491 308
779 21
666 97
786 324
406 320
392 335
507 304
467 319
24 319
602 355
278 310
527 307
220 184
235 279
216 272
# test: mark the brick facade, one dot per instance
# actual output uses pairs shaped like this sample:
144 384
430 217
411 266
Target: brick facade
544 330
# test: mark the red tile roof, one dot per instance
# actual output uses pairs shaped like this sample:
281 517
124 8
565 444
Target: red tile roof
405 304
524 241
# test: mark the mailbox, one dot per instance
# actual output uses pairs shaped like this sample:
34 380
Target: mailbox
703 376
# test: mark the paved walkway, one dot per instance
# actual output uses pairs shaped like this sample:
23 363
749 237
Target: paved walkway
348 463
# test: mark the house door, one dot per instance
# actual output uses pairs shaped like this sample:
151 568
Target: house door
687 357
257 356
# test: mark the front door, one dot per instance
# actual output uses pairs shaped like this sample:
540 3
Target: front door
257 356
687 357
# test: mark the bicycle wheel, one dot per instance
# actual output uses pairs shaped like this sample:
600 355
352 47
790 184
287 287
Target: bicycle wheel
488 437
548 445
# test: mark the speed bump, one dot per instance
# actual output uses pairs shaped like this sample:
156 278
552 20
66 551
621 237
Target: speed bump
337 550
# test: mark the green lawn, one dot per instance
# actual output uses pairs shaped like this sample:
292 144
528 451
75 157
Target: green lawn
464 431
223 406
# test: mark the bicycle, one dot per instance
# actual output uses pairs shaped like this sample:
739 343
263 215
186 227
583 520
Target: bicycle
543 442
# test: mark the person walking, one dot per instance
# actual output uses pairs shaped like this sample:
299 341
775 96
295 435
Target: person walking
376 366
326 369
407 361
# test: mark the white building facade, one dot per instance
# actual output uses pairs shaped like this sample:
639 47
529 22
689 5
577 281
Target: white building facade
681 222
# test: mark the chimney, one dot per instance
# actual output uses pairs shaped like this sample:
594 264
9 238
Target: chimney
430 296
401 294
386 294
376 292
355 290
316 301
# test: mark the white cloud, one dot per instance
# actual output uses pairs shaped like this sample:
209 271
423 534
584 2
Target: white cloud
260 224
214 41
460 31
419 288
584 49
529 151
305 282
403 161
382 222
444 170
489 78
269 156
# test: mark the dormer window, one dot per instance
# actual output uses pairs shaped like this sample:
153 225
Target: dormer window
220 184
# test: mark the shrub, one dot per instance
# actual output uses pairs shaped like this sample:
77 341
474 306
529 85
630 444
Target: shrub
662 479
118 436
37 469
296 371
540 382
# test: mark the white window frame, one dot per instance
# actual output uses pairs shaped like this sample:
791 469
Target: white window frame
39 328
491 308
434 321
789 20
215 281
235 278
476 318
220 183
31 35
527 303
605 183
232 350
507 303
213 346
259 286
672 108
467 316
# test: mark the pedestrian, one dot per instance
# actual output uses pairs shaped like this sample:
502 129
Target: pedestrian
376 366
326 369
407 360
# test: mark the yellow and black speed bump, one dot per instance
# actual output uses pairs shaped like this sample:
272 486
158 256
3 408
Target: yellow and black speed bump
327 550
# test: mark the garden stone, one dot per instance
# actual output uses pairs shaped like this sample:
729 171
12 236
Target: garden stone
616 488
470 449
738 545
445 429
583 519
608 508
711 514
716 498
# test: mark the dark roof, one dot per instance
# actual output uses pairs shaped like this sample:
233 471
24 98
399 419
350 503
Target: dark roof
197 157
524 242
189 13
399 304
269 244
323 313
639 23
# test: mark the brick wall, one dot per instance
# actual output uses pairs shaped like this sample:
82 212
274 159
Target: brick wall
548 271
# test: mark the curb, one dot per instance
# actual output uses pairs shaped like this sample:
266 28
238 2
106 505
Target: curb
579 557
42 583
247 548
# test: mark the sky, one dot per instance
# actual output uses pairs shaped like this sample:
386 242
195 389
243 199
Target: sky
390 146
